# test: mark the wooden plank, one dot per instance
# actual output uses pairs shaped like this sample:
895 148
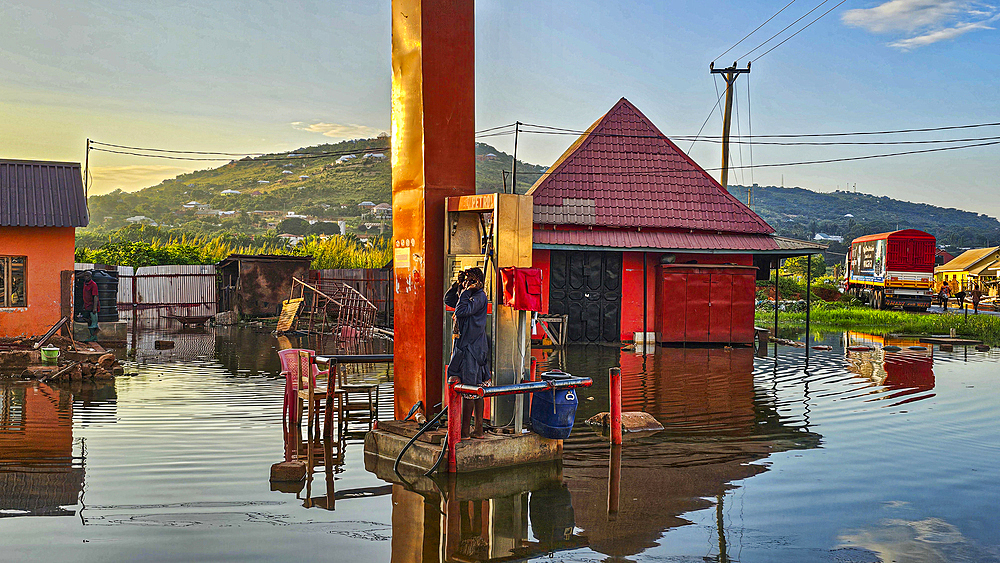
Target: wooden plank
289 313
953 341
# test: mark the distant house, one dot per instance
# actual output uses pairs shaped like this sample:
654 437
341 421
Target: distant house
942 257
195 205
230 192
973 266
346 158
374 155
141 219
849 216
286 172
383 210
823 237
366 205
228 213
263 182
43 204
303 177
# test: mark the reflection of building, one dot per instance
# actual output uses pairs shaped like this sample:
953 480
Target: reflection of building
39 476
902 372
716 425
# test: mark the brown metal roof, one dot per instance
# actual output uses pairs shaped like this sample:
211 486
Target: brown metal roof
968 259
623 172
42 194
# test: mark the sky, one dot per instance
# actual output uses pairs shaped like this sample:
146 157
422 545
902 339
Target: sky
254 76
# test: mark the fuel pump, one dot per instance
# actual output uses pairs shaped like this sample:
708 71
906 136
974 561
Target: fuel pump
492 231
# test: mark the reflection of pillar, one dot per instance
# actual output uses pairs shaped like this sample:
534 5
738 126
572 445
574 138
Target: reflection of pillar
416 527
614 480
433 157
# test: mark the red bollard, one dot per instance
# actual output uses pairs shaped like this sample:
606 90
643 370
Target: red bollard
615 375
533 369
454 425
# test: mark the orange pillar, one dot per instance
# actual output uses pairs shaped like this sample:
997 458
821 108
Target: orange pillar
433 157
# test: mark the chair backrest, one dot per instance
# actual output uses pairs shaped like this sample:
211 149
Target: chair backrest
296 364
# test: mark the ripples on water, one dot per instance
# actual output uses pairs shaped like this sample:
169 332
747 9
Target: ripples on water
841 456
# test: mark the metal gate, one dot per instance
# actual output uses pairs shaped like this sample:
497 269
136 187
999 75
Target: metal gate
587 287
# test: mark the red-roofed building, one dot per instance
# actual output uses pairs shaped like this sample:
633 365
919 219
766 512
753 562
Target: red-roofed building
620 212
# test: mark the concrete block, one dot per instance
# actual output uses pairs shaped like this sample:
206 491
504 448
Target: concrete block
471 455
288 472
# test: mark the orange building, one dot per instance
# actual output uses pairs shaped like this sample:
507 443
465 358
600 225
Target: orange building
41 204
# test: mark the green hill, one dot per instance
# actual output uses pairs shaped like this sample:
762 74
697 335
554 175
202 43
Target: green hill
320 182
315 181
801 213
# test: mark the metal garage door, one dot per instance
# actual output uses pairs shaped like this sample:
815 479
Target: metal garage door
587 287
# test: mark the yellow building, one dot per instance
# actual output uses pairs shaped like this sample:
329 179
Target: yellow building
971 267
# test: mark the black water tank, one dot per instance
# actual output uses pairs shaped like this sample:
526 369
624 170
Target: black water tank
107 292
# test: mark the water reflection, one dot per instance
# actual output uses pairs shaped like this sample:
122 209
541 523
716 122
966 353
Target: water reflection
41 467
902 376
508 514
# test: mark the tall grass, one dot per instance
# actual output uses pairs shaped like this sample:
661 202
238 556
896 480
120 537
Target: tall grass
332 252
984 327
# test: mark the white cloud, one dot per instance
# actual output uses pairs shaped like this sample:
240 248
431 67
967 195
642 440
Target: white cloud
937 35
337 130
923 21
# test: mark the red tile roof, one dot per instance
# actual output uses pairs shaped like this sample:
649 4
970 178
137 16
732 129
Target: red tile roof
629 239
623 172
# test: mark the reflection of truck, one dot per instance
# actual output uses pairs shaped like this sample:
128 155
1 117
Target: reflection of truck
892 269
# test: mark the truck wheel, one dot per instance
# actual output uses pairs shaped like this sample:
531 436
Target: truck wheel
879 300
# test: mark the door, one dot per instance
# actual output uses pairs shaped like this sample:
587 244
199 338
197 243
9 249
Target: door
720 309
586 286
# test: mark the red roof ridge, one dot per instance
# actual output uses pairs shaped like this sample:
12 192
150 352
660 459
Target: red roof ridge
651 188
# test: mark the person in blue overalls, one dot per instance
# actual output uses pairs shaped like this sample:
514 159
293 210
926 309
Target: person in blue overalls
470 356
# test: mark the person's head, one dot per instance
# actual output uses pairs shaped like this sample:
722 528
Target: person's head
474 276
87 276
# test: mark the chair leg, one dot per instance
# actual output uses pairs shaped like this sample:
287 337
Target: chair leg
328 418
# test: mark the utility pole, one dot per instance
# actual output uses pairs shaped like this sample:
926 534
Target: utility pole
730 74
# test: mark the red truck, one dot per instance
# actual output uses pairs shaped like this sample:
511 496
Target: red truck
892 269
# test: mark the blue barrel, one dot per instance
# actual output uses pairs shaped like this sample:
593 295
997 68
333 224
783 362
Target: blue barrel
553 411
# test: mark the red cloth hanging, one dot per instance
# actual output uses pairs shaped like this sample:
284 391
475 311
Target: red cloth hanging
522 288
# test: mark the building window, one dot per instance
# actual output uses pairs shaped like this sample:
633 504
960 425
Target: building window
13 271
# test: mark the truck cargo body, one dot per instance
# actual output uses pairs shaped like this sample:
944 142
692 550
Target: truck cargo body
892 269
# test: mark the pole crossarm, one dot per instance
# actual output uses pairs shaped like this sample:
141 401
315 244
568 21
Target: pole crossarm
730 74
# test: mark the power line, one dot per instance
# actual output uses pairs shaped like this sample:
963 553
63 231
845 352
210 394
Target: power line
704 123
750 125
687 174
766 41
493 128
801 30
270 159
754 31
177 151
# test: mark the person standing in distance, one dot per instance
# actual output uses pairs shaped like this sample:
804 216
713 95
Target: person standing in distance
91 305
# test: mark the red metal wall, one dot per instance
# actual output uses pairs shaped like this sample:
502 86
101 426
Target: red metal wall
704 303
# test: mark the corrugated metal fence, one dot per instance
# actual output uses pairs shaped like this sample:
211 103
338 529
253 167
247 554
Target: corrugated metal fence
158 291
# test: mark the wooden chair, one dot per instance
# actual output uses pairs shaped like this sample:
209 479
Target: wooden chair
361 382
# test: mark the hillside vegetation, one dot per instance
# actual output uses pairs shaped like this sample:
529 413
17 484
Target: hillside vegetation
801 213
309 181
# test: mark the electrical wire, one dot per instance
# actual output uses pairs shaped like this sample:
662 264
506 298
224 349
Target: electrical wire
751 139
703 124
754 31
176 151
667 172
786 135
800 30
766 41
268 159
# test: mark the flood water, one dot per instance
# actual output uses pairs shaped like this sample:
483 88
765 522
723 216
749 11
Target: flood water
814 455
